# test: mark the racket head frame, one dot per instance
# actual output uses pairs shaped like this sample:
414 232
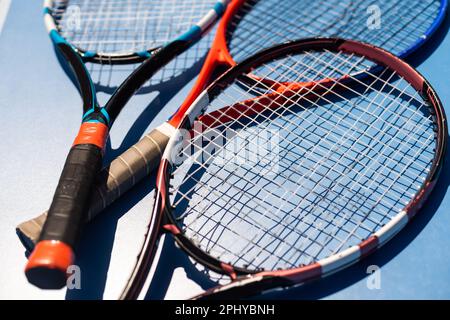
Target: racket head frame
249 282
194 33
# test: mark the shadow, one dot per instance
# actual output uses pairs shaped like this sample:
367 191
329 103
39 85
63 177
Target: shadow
96 244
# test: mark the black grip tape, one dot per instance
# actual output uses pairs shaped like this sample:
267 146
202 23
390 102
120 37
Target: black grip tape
71 200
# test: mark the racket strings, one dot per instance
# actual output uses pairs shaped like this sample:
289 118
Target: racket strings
199 237
347 88
407 27
343 165
251 31
123 27
393 25
410 98
273 233
390 115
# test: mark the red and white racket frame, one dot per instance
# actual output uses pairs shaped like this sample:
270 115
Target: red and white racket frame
250 282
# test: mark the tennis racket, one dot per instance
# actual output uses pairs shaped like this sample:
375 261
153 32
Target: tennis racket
116 33
300 171
404 27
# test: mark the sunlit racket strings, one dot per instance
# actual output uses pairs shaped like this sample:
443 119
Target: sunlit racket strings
121 27
347 161
114 26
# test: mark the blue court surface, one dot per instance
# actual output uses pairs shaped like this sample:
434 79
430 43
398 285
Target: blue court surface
40 112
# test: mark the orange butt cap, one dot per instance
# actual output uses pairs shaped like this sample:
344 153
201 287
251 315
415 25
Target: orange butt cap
92 133
47 265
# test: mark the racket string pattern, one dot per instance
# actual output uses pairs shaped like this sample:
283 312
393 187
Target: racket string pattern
125 27
345 156
392 25
123 31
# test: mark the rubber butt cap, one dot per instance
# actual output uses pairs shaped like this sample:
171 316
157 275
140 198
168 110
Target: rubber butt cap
47 265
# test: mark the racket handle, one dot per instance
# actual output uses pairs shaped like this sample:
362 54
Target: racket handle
53 254
113 181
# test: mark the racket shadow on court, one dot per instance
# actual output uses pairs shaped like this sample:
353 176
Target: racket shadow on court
94 260
174 258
